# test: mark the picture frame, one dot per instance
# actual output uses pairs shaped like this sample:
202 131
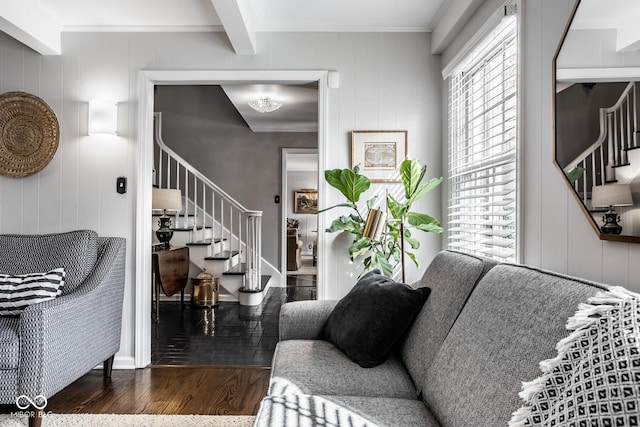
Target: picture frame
305 201
379 153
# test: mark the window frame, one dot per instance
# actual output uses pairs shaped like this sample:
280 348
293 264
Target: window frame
462 60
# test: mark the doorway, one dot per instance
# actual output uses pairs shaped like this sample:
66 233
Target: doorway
147 82
299 221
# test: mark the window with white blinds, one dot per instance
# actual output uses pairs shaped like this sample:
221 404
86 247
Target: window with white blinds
482 154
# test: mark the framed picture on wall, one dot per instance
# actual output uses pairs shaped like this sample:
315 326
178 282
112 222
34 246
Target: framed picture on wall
379 153
305 201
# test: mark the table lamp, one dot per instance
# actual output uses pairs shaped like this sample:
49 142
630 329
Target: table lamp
610 195
166 199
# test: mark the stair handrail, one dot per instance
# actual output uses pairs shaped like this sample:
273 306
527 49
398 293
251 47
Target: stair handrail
252 253
194 171
603 129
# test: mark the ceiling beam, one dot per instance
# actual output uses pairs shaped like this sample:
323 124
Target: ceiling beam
449 20
238 22
29 24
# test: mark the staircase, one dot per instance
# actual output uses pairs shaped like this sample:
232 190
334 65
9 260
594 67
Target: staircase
222 235
615 156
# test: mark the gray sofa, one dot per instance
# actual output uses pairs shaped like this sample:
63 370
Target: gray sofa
54 342
483 330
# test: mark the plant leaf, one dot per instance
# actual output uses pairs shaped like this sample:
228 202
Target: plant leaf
359 248
348 182
414 243
340 205
411 173
371 201
413 258
430 228
574 174
424 222
378 260
425 188
396 208
345 223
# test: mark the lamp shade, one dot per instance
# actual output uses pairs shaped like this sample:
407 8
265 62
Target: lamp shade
611 195
166 198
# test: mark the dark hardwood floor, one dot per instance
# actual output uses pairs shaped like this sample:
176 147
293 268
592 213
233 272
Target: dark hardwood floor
204 390
187 383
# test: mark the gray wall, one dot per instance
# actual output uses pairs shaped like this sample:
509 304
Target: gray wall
204 128
387 81
555 233
578 117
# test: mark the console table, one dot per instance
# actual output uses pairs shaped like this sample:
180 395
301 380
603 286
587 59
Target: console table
170 271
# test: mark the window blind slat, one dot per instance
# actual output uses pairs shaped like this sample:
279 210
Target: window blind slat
482 156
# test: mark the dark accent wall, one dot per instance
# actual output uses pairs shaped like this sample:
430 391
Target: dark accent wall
203 126
577 117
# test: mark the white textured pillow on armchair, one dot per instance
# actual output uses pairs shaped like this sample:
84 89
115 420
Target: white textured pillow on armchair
18 291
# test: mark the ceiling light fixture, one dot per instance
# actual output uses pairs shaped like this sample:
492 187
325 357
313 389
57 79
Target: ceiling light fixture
265 104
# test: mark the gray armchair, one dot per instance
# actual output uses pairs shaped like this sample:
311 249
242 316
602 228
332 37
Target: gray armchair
53 343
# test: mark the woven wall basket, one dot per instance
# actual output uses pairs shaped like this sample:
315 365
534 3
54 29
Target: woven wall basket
29 134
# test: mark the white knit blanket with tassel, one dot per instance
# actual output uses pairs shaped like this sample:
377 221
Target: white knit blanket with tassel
595 379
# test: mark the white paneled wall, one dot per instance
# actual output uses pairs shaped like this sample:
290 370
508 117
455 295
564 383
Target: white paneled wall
387 81
557 235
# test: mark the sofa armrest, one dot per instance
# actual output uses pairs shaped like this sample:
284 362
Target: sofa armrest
64 338
303 320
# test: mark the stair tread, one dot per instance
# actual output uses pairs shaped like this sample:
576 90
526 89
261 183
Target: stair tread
238 270
172 215
205 242
199 227
224 255
264 279
621 165
632 148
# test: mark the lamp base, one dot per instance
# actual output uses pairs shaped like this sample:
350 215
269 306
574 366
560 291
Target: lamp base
611 225
164 233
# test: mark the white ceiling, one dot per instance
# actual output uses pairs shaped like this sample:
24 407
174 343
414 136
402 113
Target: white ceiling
621 16
298 114
40 23
74 15
269 15
599 14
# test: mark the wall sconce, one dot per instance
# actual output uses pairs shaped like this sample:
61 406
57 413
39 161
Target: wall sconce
103 117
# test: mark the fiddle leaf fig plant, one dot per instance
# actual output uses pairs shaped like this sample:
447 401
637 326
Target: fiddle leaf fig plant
396 239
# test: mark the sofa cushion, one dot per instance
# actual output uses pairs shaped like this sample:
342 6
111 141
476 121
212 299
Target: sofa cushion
75 251
304 410
511 322
368 322
318 367
451 277
18 291
9 342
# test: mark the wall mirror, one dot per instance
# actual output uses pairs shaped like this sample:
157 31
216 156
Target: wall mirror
596 72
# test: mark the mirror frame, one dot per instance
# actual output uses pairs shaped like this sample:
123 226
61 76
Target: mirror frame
585 211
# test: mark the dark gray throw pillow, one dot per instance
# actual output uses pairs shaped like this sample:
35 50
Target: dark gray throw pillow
372 317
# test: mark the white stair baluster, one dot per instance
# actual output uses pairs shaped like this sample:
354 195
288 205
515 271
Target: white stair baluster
242 231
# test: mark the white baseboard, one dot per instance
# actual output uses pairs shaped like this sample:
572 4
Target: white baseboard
121 362
124 362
